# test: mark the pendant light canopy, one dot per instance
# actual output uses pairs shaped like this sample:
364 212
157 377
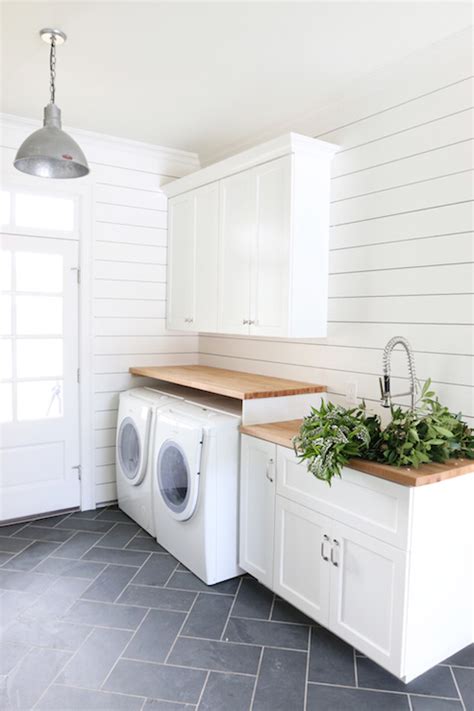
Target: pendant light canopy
50 152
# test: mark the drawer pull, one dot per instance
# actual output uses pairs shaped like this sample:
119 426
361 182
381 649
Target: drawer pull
268 469
323 543
335 546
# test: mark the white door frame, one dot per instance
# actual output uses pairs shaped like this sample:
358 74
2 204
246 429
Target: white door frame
82 190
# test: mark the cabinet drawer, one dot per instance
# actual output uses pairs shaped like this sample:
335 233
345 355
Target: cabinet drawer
374 506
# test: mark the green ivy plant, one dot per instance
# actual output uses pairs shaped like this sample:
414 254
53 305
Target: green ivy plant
332 434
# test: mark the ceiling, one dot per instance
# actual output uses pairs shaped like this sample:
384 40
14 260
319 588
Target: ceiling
201 76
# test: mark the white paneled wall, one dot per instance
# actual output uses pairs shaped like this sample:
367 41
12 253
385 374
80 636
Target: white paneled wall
401 260
129 292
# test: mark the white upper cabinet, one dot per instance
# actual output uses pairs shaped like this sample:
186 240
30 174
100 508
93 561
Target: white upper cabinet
193 264
237 236
181 263
265 232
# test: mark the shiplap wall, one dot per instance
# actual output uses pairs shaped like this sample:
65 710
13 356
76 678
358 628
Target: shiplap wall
126 293
401 241
129 292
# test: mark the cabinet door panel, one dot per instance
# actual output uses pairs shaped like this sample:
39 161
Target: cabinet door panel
301 573
181 263
238 204
270 254
257 508
368 595
206 259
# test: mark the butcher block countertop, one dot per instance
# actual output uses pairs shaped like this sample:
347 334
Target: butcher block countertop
283 432
232 383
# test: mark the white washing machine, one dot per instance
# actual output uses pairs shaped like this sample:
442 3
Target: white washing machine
195 488
137 410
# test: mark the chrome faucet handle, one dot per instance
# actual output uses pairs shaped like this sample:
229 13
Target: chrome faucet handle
385 390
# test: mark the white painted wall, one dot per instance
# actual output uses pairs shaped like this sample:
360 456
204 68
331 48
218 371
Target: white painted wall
401 260
123 281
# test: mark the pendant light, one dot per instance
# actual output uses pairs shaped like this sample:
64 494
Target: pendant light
49 152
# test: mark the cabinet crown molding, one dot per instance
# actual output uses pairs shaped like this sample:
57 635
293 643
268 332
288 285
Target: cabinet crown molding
284 145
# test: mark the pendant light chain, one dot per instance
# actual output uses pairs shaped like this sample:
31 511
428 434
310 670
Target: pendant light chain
52 69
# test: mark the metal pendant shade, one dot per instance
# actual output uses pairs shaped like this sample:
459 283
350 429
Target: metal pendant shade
50 152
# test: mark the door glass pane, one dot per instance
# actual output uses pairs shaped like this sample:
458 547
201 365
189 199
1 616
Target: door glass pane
5 216
5 270
44 212
39 400
173 477
6 359
39 315
5 315
6 400
39 272
39 358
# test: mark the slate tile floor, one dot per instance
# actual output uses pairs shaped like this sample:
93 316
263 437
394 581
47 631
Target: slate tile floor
95 615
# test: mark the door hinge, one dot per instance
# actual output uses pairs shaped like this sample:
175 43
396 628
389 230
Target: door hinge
79 471
78 375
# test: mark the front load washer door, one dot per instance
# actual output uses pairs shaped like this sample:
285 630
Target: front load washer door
177 474
131 452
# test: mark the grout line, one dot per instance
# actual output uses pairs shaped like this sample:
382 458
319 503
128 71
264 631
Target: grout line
231 610
62 669
181 629
356 671
245 644
134 632
410 706
456 685
384 691
306 678
202 690
256 679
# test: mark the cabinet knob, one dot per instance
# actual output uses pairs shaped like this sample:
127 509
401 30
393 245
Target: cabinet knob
245 321
251 323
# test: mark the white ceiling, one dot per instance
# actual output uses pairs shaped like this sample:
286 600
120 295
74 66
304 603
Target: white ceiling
202 76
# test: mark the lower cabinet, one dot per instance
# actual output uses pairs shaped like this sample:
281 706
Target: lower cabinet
387 568
367 594
345 580
257 508
302 558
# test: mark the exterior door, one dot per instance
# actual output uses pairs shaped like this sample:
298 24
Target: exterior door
367 595
181 260
270 253
39 406
257 508
302 567
237 235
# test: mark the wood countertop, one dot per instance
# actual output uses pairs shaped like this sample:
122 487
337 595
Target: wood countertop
232 383
283 432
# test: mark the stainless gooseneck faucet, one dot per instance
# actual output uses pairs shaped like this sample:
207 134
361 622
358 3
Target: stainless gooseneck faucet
385 383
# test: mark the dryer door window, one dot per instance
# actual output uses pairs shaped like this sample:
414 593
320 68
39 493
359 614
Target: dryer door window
174 480
129 449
